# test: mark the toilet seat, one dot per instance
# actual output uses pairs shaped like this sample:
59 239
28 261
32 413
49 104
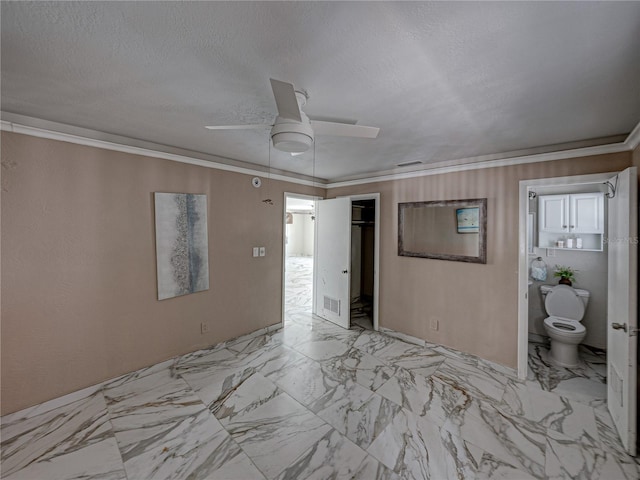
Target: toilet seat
563 302
565 326
565 307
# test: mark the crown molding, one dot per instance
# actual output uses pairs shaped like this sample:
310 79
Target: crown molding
55 131
437 169
154 151
633 139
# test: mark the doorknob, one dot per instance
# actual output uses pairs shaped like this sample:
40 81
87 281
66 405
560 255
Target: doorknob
619 326
345 271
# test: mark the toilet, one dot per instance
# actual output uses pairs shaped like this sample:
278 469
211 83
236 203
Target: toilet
565 307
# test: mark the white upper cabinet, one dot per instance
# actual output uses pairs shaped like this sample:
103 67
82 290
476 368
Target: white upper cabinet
562 217
585 213
553 211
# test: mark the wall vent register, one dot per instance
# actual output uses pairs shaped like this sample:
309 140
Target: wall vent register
332 305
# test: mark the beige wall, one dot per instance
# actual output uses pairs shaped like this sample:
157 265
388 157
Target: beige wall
79 301
78 263
476 305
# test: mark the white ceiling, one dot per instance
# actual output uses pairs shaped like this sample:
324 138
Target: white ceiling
443 81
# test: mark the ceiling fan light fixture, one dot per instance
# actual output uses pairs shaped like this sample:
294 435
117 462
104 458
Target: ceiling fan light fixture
292 142
292 137
293 132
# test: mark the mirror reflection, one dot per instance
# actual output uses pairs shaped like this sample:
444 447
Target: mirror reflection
447 230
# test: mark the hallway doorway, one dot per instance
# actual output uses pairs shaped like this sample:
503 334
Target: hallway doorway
299 244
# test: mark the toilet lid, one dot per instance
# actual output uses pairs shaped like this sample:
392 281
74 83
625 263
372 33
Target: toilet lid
562 301
565 326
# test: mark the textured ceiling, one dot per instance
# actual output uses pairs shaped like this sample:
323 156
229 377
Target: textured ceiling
443 81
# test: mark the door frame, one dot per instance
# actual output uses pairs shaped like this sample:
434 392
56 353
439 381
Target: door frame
376 252
523 255
301 196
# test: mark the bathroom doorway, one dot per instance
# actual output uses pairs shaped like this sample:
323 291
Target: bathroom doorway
606 264
298 256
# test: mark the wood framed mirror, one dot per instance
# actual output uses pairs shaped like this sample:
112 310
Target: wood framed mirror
454 230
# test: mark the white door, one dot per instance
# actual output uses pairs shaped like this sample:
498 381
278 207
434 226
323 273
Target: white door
333 260
621 307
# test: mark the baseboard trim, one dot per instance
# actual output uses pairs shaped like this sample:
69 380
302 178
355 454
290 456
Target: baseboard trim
402 336
423 343
63 400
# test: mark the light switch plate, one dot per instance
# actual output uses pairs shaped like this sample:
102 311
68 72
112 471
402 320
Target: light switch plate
256 251
263 251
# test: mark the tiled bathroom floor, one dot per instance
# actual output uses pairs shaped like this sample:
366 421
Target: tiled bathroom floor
585 383
315 401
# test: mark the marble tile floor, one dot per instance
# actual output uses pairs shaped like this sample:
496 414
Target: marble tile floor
586 383
298 284
314 401
299 289
364 322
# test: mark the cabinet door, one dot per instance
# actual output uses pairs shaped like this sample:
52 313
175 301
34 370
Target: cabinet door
552 212
586 213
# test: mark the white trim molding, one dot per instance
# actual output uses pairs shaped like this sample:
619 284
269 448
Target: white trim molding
477 165
633 139
403 336
152 152
57 131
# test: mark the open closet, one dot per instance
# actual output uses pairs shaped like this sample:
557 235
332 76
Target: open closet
363 216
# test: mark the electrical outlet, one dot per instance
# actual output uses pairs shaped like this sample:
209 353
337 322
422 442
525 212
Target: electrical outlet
256 251
204 327
263 251
434 323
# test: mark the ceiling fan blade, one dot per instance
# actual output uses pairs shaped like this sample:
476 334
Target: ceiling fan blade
343 129
286 100
236 127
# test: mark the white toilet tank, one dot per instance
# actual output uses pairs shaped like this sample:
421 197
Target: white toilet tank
565 302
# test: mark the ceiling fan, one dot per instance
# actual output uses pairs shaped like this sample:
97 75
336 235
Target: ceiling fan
292 130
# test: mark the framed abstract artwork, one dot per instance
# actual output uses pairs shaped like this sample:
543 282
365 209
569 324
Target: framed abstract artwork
182 245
